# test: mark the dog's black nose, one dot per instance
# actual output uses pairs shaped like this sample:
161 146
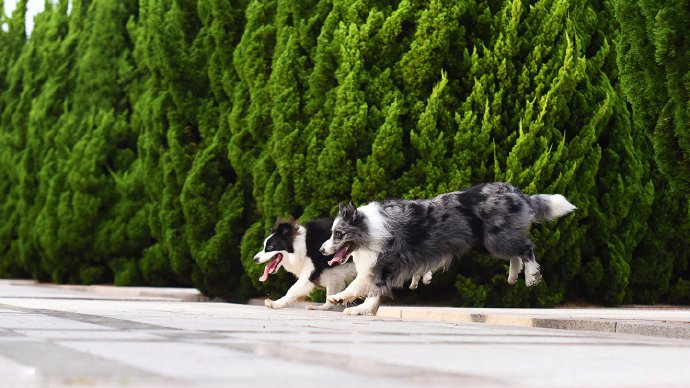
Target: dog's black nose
256 259
323 251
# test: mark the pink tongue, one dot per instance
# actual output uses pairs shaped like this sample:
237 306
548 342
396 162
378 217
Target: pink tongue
265 275
338 258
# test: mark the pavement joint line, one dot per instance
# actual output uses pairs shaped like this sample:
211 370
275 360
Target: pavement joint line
132 299
107 322
125 293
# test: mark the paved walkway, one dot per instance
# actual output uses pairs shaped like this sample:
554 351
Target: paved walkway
59 337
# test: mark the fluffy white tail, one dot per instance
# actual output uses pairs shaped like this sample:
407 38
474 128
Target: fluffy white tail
551 206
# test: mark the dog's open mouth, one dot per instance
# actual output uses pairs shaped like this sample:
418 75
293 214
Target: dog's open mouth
341 255
271 267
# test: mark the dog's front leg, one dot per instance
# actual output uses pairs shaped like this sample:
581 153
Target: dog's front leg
330 289
364 261
357 288
302 287
369 307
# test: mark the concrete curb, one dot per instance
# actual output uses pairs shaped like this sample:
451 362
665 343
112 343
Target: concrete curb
676 328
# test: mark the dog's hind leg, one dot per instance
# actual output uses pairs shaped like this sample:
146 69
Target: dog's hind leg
514 245
532 271
426 279
415 282
515 269
302 287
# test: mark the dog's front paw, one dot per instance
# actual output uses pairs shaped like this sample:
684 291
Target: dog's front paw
512 280
340 298
426 279
359 310
274 304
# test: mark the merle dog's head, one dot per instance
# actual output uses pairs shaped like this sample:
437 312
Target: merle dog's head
277 245
348 233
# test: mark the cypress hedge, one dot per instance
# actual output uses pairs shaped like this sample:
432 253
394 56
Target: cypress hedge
654 61
153 142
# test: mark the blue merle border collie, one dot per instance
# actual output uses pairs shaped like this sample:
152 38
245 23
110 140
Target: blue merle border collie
391 241
295 247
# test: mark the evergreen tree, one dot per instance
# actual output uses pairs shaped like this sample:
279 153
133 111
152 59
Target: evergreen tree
211 198
348 123
546 124
148 119
386 159
12 43
44 73
653 60
654 63
424 178
95 136
170 136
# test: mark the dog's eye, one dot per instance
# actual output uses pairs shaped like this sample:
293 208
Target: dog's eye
269 247
337 234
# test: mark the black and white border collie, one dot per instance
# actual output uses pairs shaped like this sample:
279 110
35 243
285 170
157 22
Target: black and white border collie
296 248
393 240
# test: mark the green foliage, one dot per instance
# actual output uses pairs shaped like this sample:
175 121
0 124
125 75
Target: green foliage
653 58
654 62
156 141
470 294
680 292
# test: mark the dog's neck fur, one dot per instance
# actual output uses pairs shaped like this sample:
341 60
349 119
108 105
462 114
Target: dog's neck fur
295 261
376 224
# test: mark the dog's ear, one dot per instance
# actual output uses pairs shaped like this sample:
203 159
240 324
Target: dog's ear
352 210
348 212
288 230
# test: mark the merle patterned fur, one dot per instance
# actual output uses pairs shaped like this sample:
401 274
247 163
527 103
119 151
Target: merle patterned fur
409 237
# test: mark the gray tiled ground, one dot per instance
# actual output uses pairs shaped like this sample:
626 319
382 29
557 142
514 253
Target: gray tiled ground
47 340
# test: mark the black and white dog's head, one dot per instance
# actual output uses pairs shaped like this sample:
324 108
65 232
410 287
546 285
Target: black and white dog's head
349 233
277 246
